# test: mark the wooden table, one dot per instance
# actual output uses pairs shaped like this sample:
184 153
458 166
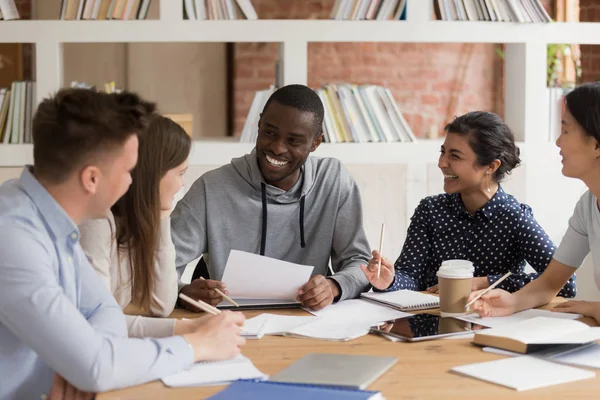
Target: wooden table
422 371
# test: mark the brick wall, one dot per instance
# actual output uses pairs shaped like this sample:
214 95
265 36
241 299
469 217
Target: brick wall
590 54
431 82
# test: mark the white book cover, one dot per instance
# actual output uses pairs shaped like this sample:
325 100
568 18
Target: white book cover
452 10
523 373
496 10
189 9
80 10
201 10
484 11
22 111
370 127
247 9
9 10
408 135
380 114
542 11
470 10
490 9
88 9
144 9
96 9
11 111
16 117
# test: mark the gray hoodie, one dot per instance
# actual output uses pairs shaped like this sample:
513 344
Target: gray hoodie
319 218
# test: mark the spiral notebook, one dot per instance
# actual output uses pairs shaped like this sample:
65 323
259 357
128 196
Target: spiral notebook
404 300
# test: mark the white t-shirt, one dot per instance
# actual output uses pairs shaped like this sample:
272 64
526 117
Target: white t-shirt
582 236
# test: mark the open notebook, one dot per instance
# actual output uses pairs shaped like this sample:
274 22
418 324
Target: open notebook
404 300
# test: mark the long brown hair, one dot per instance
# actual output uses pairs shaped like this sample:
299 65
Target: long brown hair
164 146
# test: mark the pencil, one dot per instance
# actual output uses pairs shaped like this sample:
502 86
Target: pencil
488 289
380 250
200 304
229 299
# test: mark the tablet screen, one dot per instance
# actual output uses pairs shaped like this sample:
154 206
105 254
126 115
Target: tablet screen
425 326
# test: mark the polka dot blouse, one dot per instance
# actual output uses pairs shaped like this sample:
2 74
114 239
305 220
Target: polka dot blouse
500 237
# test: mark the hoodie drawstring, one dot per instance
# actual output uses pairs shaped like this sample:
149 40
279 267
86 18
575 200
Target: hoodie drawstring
302 243
263 240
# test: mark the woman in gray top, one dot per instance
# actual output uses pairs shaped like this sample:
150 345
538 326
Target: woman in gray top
579 144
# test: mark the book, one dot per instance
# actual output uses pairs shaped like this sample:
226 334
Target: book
9 10
523 372
520 11
536 334
404 300
339 370
587 355
250 390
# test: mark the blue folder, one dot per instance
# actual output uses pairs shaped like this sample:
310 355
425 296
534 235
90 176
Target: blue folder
265 390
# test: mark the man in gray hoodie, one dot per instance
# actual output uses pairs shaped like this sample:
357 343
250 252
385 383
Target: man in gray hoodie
279 202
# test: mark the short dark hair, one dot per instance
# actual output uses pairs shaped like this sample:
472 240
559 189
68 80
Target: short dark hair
301 98
490 138
583 103
75 124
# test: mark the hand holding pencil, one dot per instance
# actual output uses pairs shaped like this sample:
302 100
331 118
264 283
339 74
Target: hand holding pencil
386 271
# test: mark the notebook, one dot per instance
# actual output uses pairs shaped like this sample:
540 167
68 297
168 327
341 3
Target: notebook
404 300
537 334
340 370
523 372
497 322
215 373
248 390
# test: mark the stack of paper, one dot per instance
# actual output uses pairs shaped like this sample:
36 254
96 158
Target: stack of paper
215 373
344 321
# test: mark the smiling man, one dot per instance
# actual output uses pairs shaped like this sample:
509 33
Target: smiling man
280 202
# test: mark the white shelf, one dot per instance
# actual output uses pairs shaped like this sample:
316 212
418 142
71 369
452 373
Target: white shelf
297 30
219 152
222 151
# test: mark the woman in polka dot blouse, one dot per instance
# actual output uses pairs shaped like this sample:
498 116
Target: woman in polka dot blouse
579 144
474 219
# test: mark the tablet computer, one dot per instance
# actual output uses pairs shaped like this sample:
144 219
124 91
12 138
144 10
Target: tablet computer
421 327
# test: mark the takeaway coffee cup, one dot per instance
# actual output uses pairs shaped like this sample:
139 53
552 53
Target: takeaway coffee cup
455 279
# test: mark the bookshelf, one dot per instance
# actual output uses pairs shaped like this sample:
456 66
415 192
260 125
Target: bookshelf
525 60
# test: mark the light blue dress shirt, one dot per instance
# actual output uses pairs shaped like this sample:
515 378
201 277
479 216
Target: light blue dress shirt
55 315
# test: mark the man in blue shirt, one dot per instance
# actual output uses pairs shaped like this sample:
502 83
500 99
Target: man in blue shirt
56 316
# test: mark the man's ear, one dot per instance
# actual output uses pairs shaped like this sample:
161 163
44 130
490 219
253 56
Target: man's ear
317 142
90 178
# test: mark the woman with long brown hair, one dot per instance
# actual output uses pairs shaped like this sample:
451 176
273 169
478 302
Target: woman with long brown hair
131 249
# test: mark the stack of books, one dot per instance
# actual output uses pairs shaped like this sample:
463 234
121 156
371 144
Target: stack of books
8 10
218 9
16 113
353 114
491 10
379 10
104 9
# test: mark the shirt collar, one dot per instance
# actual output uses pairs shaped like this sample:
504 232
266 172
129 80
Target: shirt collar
488 210
58 221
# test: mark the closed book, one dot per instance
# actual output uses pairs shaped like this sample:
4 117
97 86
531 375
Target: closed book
537 334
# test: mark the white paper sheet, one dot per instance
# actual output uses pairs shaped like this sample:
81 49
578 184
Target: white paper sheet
215 373
497 322
359 311
251 276
523 372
